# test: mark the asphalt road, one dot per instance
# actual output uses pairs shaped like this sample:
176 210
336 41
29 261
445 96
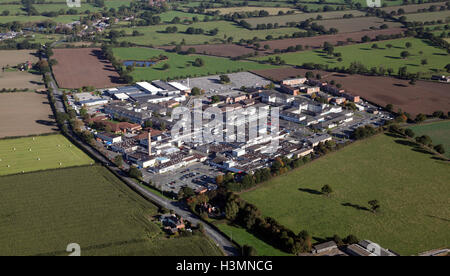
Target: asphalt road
178 207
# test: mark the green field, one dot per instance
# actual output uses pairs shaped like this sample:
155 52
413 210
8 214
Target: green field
64 19
270 10
167 17
439 133
283 19
242 237
156 35
41 213
51 150
387 57
411 186
429 16
180 65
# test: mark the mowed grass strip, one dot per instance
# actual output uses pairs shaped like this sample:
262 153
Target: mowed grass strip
41 213
42 153
436 59
411 186
181 65
439 132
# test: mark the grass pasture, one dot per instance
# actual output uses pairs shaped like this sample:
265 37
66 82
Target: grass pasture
51 150
180 65
157 36
439 132
41 213
429 16
242 237
283 19
270 10
387 57
357 24
411 186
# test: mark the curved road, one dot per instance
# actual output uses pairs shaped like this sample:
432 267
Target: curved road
179 208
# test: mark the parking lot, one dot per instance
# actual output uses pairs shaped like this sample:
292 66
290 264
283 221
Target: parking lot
212 85
196 176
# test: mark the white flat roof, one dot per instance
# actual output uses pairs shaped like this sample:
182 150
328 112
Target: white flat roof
179 86
121 96
147 86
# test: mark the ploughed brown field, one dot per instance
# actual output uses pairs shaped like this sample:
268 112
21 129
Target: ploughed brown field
25 113
318 41
423 97
83 67
220 50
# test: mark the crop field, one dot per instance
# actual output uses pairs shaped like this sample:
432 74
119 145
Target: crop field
438 131
423 97
436 59
39 153
157 36
181 65
357 24
429 16
270 10
83 67
283 19
318 41
411 187
242 237
37 119
41 213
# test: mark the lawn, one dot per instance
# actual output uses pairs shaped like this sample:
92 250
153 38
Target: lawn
439 133
42 153
242 237
157 36
411 186
181 65
41 213
387 57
